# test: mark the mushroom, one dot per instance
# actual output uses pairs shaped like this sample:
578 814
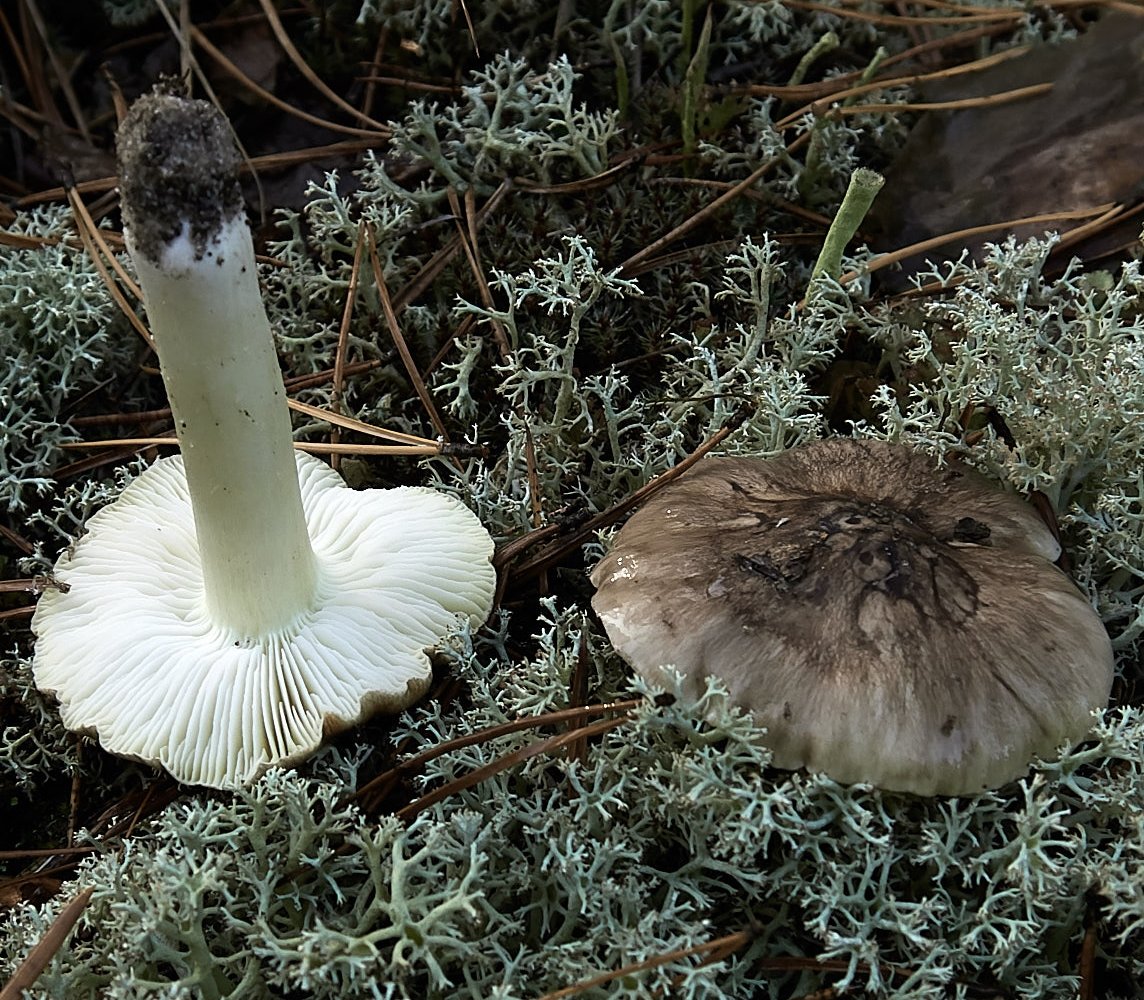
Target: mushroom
238 601
885 620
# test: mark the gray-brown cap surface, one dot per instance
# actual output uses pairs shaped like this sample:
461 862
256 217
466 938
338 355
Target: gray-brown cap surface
887 621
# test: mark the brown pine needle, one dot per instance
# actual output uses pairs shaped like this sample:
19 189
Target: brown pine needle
312 447
62 76
344 336
465 221
886 259
348 423
16 539
550 745
353 424
327 448
307 71
80 214
823 102
370 94
436 264
472 31
989 101
1075 235
218 56
44 852
296 382
594 183
29 585
381 785
723 947
398 81
347 316
407 444
44 951
97 236
21 241
976 17
628 268
16 51
399 340
821 91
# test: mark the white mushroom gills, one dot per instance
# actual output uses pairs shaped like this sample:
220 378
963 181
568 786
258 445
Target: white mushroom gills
233 426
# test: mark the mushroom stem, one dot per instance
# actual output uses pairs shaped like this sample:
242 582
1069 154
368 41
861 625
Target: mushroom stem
192 249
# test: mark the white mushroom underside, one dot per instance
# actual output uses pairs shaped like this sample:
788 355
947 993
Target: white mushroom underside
130 652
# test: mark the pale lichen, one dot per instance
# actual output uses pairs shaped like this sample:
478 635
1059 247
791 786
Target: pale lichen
584 381
59 334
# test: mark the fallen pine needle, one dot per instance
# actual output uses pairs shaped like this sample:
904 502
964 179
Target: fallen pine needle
313 447
45 949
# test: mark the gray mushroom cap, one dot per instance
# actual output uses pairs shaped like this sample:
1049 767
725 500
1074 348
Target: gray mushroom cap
887 621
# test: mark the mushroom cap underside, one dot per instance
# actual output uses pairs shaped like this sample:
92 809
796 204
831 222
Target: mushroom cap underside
128 647
886 621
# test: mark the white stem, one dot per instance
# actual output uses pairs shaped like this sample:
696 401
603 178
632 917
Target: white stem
222 377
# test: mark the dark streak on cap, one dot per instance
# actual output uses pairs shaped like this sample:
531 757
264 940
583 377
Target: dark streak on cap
177 164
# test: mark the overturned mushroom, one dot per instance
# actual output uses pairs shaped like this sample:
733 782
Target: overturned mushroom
238 602
886 621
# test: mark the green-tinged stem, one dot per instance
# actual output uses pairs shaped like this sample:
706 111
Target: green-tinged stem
864 186
222 377
693 82
827 43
